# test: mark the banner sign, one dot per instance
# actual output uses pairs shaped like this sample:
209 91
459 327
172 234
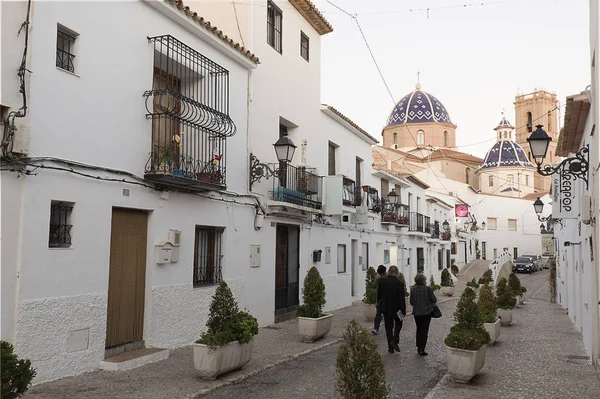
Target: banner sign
461 211
564 197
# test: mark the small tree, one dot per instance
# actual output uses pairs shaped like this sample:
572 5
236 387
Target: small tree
515 285
473 283
504 297
370 291
359 369
17 374
432 284
313 295
468 332
446 279
486 278
225 322
487 305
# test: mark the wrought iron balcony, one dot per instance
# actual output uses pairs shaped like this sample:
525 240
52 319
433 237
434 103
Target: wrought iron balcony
188 105
417 222
435 230
427 224
297 185
370 196
395 214
349 193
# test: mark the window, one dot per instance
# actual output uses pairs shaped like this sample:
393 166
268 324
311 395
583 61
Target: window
341 258
304 45
60 224
365 255
420 137
348 192
65 49
549 120
385 188
274 26
358 184
467 172
526 180
395 138
445 139
491 181
510 180
512 224
208 254
331 160
529 122
492 224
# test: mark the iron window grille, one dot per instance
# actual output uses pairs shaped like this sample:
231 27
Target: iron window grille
189 108
208 255
65 57
274 26
60 225
304 46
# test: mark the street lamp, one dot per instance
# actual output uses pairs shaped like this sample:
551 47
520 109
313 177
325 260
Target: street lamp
538 206
466 225
392 197
576 166
483 225
284 149
446 225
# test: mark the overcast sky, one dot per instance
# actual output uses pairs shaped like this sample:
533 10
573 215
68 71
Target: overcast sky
474 59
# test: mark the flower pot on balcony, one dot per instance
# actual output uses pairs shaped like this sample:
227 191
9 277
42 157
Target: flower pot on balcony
370 311
464 364
448 291
213 362
178 173
313 329
494 330
386 219
505 316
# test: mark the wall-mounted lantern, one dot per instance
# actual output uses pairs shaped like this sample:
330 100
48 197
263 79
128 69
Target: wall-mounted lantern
284 149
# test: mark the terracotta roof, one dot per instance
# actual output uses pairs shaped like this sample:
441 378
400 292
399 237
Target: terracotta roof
533 196
314 17
214 30
452 154
576 112
404 154
380 161
417 181
431 198
350 122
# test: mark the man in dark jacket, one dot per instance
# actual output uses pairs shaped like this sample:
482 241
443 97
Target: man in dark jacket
380 274
390 297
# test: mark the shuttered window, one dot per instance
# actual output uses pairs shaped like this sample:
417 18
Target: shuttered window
331 159
492 223
208 254
385 188
512 224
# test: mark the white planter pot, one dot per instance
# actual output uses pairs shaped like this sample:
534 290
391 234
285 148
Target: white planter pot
313 329
448 291
494 330
370 311
505 316
464 365
213 362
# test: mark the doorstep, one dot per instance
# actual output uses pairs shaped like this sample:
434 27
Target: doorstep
137 358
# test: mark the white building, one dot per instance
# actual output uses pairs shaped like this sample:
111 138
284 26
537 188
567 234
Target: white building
130 185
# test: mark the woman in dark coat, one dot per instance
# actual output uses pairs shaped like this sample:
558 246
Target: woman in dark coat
422 299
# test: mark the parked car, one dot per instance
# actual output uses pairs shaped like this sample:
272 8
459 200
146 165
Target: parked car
537 261
524 265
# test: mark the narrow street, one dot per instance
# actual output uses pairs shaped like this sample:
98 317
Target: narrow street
409 375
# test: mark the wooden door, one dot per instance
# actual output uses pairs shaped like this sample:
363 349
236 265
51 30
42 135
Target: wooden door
287 269
127 277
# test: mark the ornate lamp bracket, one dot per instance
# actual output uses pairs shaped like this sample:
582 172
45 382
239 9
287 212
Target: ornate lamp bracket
577 166
258 170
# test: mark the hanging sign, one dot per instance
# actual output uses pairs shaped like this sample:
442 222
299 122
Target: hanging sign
461 211
565 204
547 245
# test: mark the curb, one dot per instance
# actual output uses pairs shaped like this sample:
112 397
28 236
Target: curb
252 373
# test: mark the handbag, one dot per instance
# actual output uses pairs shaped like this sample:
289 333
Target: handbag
436 313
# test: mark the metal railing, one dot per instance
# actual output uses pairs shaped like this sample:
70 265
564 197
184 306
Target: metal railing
297 185
349 192
395 214
416 222
435 230
427 224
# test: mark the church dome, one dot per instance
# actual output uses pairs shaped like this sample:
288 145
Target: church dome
506 153
418 107
504 124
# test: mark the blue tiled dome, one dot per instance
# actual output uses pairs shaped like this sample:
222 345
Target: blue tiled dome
506 153
504 123
418 107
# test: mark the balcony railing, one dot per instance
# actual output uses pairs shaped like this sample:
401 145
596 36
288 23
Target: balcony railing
371 196
416 222
188 105
349 192
446 235
297 185
395 214
435 230
427 224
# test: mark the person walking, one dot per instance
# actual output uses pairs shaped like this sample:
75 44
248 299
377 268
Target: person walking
390 297
380 273
422 299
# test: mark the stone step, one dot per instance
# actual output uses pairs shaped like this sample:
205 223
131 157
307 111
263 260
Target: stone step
137 358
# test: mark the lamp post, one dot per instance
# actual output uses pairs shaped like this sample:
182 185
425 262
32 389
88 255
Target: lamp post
538 206
392 197
466 226
483 225
284 149
576 166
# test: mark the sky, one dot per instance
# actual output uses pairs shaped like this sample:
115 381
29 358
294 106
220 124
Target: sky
474 59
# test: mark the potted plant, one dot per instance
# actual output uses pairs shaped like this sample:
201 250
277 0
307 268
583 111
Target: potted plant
370 297
488 314
466 340
473 284
403 280
447 283
360 371
453 267
386 217
486 278
477 250
505 301
17 374
312 322
433 285
227 343
515 286
211 172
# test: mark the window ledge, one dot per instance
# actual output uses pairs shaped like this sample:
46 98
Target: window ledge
61 248
67 72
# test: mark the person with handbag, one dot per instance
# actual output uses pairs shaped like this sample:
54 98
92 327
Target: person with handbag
380 274
423 302
390 297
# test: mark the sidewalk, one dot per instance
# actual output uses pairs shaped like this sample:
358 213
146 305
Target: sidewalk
540 356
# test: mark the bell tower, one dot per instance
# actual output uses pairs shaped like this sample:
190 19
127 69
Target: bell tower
537 108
